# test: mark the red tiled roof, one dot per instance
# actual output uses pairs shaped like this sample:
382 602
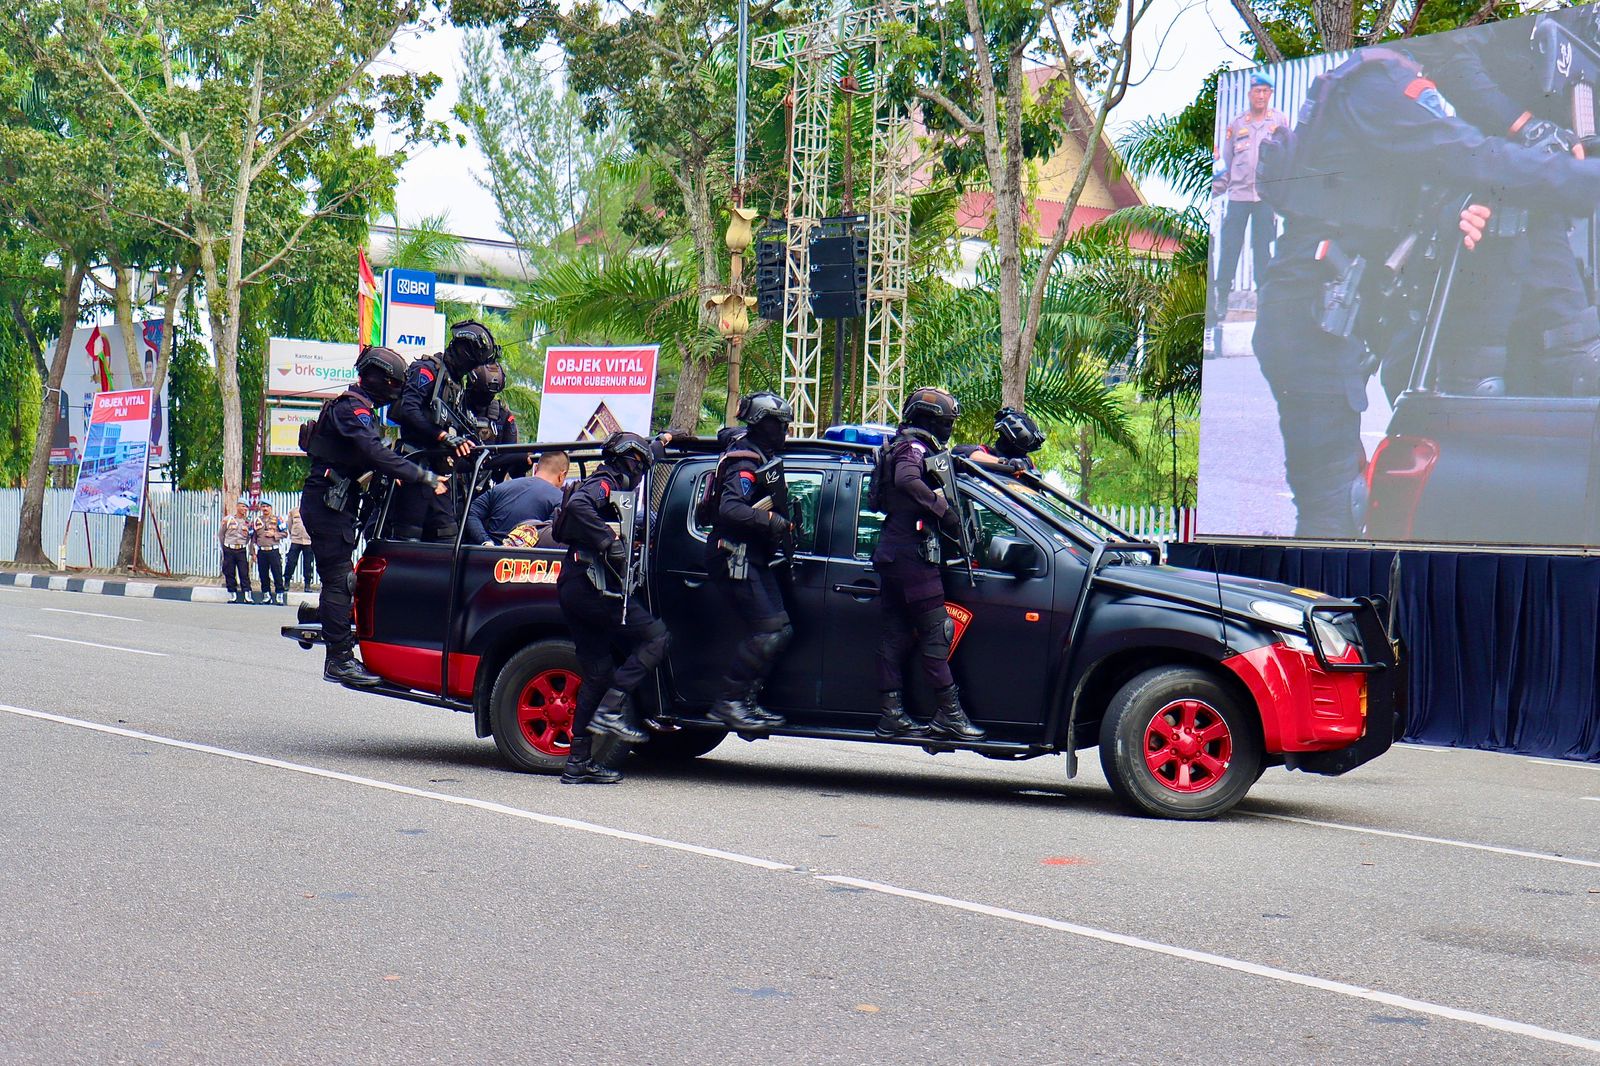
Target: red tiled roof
976 212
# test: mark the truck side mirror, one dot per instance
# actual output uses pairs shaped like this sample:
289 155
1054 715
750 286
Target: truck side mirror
1010 555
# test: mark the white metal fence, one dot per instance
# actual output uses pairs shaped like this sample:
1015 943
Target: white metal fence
183 523
187 524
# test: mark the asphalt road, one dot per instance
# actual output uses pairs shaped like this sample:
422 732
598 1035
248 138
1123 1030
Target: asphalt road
211 855
1244 491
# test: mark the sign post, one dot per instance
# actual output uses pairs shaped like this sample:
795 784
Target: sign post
111 477
410 324
591 393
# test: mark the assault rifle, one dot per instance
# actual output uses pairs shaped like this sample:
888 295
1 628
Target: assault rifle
941 466
627 505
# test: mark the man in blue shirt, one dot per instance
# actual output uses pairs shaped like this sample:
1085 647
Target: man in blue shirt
517 500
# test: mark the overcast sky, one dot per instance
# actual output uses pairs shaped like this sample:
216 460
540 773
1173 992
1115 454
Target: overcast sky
1183 41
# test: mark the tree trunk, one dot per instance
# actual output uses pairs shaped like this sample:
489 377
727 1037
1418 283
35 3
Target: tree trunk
689 398
1085 458
697 364
30 528
122 304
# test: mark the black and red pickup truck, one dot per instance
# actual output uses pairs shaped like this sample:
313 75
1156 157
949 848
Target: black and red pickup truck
1069 635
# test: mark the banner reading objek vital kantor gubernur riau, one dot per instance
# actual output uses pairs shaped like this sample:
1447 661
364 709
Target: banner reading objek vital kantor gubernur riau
590 393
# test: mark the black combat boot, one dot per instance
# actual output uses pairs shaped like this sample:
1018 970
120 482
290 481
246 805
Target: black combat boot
614 716
347 670
588 771
895 722
768 719
737 714
951 721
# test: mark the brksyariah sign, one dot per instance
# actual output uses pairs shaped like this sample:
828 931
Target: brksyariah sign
590 393
111 474
309 368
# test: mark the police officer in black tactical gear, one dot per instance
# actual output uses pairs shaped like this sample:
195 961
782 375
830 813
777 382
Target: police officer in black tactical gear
343 445
494 421
747 506
1522 321
434 386
907 561
1016 438
591 592
1374 139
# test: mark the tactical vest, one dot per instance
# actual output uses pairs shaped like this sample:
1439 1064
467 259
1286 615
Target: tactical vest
770 483
1300 179
310 436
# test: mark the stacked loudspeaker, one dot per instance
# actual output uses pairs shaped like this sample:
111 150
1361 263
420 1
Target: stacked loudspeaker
838 269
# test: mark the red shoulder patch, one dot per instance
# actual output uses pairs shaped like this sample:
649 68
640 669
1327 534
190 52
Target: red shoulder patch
363 410
1419 86
427 375
748 475
605 486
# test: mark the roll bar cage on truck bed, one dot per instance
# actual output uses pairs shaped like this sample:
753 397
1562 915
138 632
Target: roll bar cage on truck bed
1069 634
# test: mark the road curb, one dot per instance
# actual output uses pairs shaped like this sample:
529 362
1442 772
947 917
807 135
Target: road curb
148 590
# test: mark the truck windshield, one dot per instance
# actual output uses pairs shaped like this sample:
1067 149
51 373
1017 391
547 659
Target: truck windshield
1083 524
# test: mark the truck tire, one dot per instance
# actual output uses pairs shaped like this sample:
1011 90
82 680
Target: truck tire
1174 743
686 744
531 706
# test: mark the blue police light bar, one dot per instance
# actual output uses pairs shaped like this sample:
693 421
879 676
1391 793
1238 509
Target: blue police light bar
860 433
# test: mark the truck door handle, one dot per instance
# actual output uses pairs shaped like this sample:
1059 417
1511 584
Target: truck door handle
858 591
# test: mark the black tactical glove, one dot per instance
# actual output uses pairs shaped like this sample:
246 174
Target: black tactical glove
778 525
1016 466
950 523
1545 136
617 554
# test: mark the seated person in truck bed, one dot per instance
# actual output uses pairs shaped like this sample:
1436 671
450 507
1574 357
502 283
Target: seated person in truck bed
517 500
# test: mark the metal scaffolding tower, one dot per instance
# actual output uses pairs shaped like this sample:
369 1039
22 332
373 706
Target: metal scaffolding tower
888 254
810 50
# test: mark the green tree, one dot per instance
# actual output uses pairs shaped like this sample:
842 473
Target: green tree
666 70
969 63
264 114
550 176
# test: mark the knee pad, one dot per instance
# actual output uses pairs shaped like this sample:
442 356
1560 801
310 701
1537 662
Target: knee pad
406 532
446 534
653 645
768 643
935 630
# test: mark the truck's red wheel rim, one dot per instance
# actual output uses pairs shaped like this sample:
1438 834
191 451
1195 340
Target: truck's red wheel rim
1188 746
545 708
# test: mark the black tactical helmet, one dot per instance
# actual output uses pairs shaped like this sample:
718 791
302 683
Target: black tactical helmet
382 373
487 380
760 406
1016 433
471 345
933 410
628 455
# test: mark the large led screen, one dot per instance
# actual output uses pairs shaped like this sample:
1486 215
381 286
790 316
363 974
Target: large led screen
1402 339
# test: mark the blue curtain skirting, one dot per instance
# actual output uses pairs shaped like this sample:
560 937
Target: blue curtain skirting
1502 647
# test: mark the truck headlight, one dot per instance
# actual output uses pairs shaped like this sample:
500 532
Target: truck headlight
1333 642
1280 614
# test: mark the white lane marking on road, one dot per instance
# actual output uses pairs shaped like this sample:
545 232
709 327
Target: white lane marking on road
89 614
1542 856
1424 747
1389 999
1565 762
1595 798
1488 1021
405 790
107 647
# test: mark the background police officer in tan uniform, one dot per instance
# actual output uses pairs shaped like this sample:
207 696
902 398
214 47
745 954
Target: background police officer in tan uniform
1236 183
